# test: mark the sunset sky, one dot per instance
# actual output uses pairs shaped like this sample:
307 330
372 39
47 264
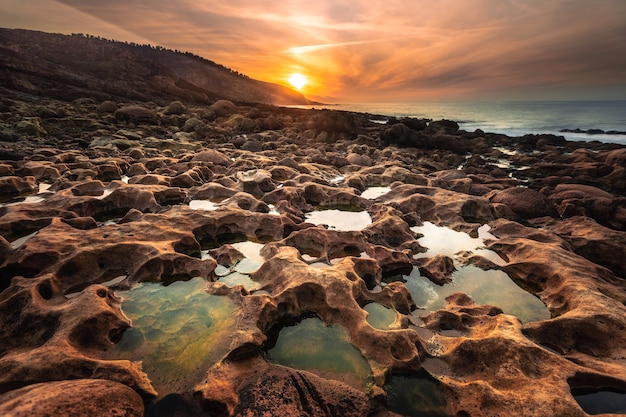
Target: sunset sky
374 50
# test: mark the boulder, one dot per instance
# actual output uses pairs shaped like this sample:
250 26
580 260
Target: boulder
525 202
438 268
137 115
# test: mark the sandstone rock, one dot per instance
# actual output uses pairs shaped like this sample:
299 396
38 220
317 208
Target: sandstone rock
17 185
593 241
91 188
107 107
136 115
437 268
175 107
578 199
93 397
91 228
60 335
525 202
212 156
223 108
255 182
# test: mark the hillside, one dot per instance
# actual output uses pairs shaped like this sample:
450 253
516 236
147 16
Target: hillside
68 67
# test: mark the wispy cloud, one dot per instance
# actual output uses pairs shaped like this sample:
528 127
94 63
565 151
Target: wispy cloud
373 49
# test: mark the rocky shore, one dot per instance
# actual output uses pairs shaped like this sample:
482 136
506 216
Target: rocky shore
96 200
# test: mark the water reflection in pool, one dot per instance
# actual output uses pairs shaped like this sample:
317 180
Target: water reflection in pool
178 332
600 401
340 220
373 193
203 205
325 350
239 274
445 241
484 287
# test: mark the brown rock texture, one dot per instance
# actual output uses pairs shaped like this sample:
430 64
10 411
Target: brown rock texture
104 194
92 397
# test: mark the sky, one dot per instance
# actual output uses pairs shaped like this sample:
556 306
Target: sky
374 50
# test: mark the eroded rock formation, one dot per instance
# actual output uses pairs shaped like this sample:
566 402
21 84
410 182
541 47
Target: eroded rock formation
110 192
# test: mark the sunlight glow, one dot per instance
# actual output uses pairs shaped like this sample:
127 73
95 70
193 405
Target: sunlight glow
298 81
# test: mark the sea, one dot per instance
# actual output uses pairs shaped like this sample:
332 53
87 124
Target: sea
515 118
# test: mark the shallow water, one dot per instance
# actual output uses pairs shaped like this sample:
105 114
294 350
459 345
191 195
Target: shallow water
178 332
446 241
484 287
340 220
325 350
373 193
415 395
380 316
602 402
239 274
203 205
20 241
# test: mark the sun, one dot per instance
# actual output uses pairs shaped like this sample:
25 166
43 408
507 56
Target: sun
297 81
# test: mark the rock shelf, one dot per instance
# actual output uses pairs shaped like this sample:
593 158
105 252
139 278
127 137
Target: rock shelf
95 200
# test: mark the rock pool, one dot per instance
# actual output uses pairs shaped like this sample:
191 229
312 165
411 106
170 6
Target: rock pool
178 332
325 350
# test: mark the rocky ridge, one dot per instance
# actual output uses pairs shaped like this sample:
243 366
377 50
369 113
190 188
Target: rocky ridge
96 200
69 67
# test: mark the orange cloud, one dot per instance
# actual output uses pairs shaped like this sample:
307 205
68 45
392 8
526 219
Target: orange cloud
374 50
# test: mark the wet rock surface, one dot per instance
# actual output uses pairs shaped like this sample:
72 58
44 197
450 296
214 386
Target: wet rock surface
97 197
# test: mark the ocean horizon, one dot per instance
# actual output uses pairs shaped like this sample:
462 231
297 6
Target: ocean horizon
513 118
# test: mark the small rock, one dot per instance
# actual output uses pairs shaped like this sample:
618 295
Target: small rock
175 107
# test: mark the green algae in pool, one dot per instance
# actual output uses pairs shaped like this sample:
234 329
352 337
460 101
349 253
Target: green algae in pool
415 395
340 220
380 316
178 332
484 287
324 350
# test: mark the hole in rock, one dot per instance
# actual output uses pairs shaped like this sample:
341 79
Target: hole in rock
109 217
45 290
313 346
352 251
339 219
115 335
175 405
178 332
416 394
380 316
